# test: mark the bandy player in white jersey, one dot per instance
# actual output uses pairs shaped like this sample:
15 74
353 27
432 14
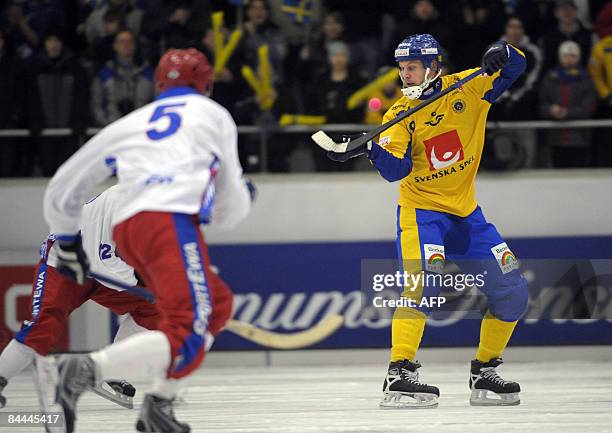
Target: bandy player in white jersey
55 297
177 165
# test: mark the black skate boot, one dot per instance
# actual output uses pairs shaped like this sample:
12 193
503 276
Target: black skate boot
484 378
3 383
77 374
402 388
118 391
157 415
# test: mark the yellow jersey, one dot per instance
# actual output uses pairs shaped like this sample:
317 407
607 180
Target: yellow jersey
444 141
600 66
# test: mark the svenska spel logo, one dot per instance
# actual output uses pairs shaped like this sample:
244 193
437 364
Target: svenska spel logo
443 150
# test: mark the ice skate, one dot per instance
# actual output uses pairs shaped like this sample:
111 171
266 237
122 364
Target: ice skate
117 391
484 379
157 415
76 375
402 388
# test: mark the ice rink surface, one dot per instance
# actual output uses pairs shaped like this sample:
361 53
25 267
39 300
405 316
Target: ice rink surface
557 397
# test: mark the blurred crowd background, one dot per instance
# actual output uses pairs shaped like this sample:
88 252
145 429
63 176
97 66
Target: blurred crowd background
84 63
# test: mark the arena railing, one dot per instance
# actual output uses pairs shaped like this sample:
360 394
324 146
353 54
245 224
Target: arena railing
265 132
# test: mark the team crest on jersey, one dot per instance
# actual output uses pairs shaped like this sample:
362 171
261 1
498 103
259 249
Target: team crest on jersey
505 258
434 257
458 105
384 141
443 150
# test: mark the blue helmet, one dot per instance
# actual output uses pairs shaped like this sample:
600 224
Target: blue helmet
420 47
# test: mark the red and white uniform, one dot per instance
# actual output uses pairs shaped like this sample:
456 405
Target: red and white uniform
176 161
55 297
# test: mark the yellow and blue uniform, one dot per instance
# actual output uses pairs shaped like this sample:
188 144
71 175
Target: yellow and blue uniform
436 153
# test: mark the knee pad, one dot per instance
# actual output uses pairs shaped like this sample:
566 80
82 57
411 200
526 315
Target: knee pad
508 302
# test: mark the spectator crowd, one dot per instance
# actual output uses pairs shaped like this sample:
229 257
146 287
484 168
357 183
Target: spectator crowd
88 64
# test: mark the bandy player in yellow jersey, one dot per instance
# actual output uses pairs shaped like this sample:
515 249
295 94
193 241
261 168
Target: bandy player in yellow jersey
435 154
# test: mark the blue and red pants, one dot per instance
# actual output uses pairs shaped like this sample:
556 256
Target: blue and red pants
168 251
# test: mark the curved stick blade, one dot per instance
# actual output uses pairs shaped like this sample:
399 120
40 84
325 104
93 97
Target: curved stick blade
296 340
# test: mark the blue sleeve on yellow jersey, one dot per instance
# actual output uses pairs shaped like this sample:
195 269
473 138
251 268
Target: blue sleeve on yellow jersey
508 75
388 165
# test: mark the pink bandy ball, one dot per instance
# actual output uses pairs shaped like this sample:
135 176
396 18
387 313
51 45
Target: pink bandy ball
375 104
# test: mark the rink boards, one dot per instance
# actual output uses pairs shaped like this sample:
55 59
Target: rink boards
288 287
298 255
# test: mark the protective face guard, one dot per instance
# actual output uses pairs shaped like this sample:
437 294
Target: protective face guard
415 92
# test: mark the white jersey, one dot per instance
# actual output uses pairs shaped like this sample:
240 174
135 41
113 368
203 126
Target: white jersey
98 244
176 154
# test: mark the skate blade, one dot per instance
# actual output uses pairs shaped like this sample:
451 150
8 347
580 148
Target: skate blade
106 391
45 375
479 398
399 400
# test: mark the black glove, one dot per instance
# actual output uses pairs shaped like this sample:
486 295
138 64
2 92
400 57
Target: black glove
252 189
72 260
345 156
496 57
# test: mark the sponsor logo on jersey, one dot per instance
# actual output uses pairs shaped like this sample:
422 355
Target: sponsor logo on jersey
158 179
443 150
458 105
445 172
505 258
400 108
434 257
435 119
384 141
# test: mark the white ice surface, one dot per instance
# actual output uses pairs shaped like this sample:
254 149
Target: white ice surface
557 397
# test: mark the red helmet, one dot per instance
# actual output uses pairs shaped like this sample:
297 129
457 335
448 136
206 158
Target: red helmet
183 68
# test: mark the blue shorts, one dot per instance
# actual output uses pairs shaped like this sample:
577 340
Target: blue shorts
427 239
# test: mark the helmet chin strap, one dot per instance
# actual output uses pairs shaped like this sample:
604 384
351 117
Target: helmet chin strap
415 92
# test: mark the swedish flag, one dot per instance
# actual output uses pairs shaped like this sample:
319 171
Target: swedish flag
300 11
